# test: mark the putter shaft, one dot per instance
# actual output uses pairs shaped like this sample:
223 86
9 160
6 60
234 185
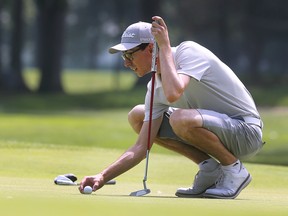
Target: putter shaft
153 70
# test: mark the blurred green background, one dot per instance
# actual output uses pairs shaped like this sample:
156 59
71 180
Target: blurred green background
93 113
64 102
54 36
59 85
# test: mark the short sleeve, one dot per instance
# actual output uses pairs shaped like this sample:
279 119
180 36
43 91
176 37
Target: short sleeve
190 61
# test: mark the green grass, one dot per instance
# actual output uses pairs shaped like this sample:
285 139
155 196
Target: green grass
92 81
84 130
275 150
27 186
270 96
95 90
110 129
86 81
84 90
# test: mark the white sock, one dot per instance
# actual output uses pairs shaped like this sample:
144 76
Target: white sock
208 165
235 167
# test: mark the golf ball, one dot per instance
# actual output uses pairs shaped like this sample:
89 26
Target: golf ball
87 190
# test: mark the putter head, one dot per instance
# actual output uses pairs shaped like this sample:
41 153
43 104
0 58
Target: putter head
140 192
71 176
145 190
63 180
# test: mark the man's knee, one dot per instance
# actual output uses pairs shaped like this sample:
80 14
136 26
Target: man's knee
136 117
185 119
136 113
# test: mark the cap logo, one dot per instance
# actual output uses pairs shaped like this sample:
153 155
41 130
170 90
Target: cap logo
128 35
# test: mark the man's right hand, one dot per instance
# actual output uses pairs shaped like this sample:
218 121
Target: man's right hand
96 182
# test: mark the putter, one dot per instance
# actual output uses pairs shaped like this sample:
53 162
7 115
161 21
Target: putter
153 71
70 179
66 182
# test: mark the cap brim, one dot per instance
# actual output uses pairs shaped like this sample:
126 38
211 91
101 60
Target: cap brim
122 47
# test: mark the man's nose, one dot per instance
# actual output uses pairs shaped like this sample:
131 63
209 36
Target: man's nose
127 63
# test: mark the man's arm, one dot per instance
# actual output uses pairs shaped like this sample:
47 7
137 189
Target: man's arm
133 156
173 83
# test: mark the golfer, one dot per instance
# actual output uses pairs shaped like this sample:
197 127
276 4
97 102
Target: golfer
200 110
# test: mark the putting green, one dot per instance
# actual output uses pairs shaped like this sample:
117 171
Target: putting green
27 186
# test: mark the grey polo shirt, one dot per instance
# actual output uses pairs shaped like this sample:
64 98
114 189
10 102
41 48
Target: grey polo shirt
213 85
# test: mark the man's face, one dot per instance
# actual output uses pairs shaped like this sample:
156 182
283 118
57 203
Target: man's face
138 60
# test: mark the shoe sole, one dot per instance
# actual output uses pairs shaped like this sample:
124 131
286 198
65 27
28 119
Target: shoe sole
199 195
233 196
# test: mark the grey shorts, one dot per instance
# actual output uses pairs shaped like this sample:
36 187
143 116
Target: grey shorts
241 139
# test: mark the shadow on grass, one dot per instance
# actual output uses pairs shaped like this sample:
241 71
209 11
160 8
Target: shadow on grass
277 156
51 103
269 97
127 196
69 102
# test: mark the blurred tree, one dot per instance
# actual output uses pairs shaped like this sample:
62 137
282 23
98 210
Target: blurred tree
18 84
1 68
266 36
12 80
204 22
250 36
120 17
51 19
254 40
223 29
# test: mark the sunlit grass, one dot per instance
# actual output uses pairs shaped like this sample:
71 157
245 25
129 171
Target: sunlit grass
27 182
83 131
109 128
86 81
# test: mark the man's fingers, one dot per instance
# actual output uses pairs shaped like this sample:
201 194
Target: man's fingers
95 187
80 188
158 21
83 183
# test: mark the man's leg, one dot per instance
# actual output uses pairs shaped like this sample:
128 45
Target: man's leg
136 117
209 168
188 125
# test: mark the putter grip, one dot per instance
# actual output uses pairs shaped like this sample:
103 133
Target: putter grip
154 55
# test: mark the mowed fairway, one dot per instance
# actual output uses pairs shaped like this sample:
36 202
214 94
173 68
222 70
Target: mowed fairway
27 186
35 148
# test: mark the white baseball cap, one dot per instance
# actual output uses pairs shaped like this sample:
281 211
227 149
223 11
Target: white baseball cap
133 36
